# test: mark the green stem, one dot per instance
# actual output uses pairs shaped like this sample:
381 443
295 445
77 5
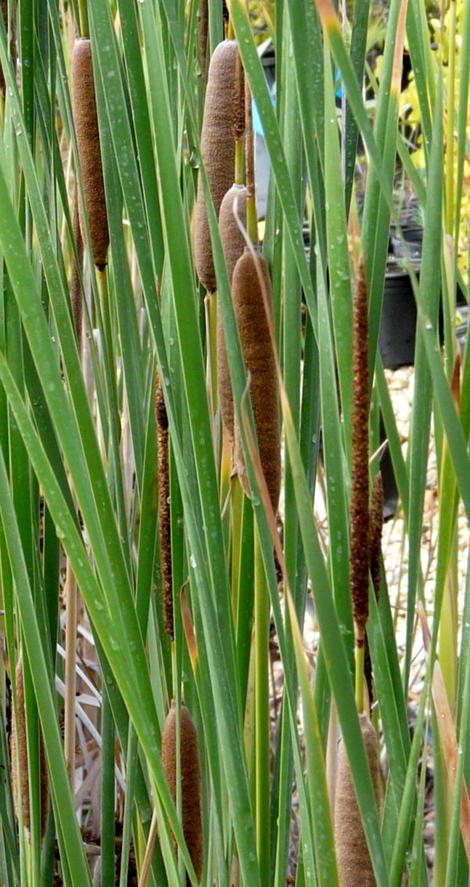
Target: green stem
359 685
262 715
83 12
107 791
251 220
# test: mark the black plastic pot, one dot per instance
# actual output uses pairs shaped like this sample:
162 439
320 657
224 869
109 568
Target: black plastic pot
398 324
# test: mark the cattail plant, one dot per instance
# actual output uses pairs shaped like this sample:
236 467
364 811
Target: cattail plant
218 152
252 296
164 510
232 224
354 863
360 476
203 34
19 762
190 778
89 152
251 288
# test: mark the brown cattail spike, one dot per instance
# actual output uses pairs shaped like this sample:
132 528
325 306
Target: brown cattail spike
250 287
203 34
239 105
88 141
218 152
164 517
354 863
375 530
232 218
19 759
360 461
190 779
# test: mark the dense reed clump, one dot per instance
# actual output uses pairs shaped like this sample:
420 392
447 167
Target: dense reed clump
231 217
354 863
190 779
360 461
88 142
164 516
250 286
19 759
218 152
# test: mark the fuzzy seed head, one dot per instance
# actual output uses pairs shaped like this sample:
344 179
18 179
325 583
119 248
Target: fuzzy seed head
218 152
164 514
259 358
190 779
19 759
360 458
88 141
232 214
354 864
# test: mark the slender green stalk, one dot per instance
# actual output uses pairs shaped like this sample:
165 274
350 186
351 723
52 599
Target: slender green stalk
107 791
83 11
262 717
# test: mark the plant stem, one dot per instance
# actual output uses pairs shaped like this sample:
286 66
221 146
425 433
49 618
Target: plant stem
359 684
84 26
262 715
70 674
107 791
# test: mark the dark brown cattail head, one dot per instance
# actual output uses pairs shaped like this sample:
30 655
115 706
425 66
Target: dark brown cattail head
88 141
164 513
232 215
354 863
190 779
360 460
203 34
19 759
250 286
218 152
375 530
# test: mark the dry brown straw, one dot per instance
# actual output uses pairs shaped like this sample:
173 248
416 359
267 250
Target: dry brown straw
164 515
232 218
352 853
250 278
19 759
360 461
218 152
88 141
190 779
